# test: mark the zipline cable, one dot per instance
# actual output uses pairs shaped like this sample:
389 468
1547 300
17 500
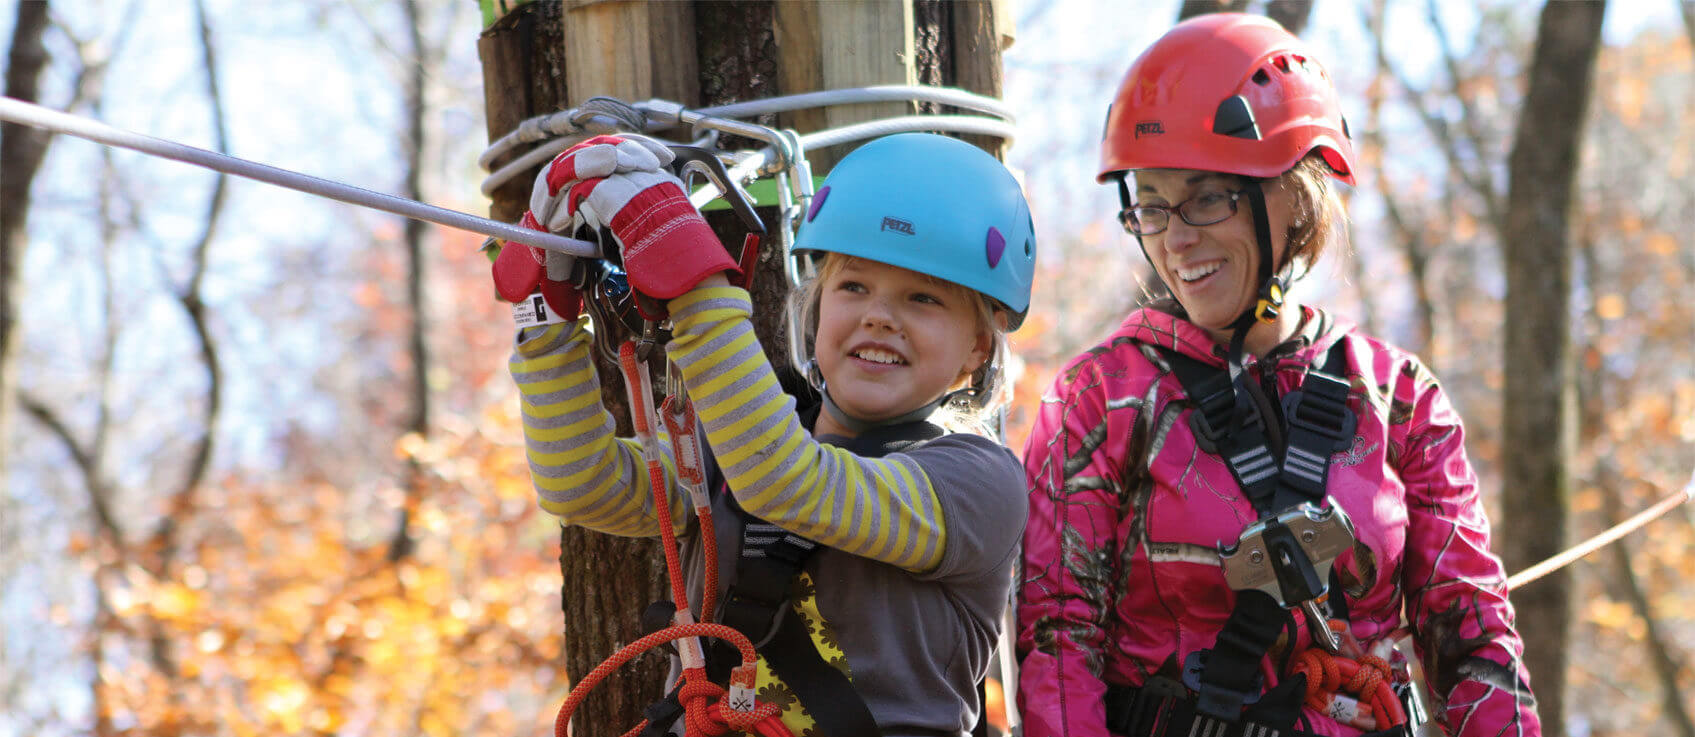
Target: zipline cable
1670 502
36 116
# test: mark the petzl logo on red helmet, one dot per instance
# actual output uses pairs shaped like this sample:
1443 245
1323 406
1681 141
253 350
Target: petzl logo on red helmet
1150 128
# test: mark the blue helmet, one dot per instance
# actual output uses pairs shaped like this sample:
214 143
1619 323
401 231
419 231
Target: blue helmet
932 204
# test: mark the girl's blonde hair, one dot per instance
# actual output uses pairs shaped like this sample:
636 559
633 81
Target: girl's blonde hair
987 387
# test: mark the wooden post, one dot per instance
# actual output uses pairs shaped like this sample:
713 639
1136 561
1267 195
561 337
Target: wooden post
530 69
544 57
841 45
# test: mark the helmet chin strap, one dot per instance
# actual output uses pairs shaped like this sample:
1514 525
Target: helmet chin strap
1269 302
857 425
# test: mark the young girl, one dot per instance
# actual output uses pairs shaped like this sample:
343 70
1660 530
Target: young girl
927 255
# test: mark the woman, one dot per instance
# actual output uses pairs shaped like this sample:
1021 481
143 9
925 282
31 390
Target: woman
1234 496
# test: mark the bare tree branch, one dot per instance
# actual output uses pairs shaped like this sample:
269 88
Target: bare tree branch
1687 8
1408 237
99 494
22 149
1479 184
1468 120
1191 8
1291 14
183 500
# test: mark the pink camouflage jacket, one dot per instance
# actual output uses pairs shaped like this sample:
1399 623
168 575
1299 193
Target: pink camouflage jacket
1121 578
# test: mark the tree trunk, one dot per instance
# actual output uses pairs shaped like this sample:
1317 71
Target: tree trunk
21 151
1539 410
413 233
737 51
608 580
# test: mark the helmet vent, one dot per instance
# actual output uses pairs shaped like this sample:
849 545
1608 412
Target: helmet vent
1235 119
994 244
817 203
1261 78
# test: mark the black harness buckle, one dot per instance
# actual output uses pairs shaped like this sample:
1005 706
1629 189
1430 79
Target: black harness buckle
1321 406
1217 699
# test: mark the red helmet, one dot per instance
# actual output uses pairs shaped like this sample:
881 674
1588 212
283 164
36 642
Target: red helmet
1225 92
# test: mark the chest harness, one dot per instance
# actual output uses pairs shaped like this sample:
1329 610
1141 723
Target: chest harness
758 603
1279 453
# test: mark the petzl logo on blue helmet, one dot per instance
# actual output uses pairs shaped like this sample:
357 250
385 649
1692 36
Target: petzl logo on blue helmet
897 225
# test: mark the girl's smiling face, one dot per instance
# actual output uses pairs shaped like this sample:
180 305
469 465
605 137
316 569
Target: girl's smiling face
891 340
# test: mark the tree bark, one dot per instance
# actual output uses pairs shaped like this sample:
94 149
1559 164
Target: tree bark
21 150
1539 410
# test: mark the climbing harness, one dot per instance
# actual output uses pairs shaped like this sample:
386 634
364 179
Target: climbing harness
1256 117
755 615
759 603
1282 561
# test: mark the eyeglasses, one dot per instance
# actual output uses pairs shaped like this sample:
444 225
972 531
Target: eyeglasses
1205 208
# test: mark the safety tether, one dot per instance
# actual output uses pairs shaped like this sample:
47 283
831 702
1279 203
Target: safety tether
709 709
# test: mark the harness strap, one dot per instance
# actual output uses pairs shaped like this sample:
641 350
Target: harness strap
1225 423
1164 708
1318 423
758 603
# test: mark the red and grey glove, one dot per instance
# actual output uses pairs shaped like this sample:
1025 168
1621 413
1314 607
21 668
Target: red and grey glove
620 183
536 281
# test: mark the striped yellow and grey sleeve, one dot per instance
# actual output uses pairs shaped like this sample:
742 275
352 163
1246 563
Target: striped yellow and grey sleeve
584 475
880 508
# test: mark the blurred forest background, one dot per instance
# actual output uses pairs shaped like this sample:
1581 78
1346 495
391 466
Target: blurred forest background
262 466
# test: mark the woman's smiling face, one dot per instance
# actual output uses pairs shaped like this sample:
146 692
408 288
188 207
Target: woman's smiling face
1213 270
891 340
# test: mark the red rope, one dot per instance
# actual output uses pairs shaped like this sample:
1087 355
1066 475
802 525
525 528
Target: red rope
707 711
707 714
709 550
641 417
1338 681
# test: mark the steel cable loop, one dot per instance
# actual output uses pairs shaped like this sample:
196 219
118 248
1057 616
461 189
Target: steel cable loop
768 156
564 122
628 116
